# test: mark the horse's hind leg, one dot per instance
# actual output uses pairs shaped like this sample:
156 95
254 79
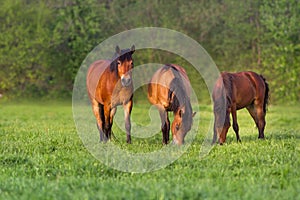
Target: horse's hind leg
258 116
235 125
98 112
261 121
112 114
165 124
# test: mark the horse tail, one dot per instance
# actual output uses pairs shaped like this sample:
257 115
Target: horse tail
267 95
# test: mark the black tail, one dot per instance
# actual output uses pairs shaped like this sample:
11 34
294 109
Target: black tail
267 95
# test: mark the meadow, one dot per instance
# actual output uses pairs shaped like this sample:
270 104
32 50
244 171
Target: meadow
43 157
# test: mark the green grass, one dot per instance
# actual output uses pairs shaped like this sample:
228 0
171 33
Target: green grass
43 157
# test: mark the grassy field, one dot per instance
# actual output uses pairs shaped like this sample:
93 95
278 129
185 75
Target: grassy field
42 157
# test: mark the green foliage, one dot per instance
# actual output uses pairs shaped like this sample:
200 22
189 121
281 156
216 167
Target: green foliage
43 43
42 157
23 41
78 28
282 47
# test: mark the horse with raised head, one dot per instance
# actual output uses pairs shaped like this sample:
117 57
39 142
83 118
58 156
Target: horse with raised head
109 84
169 90
234 91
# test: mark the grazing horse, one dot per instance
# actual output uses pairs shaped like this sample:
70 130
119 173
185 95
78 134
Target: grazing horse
234 91
169 90
109 84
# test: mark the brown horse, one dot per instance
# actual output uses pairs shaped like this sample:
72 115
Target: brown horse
234 91
169 90
109 84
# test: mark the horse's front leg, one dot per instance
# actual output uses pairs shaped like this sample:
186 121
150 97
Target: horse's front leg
165 124
234 123
107 124
127 112
112 114
215 136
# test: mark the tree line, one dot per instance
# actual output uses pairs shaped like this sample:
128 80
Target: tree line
43 42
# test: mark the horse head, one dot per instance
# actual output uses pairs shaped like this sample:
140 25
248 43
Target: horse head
123 64
182 123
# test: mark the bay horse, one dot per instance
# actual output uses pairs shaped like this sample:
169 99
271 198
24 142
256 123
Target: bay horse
169 90
234 91
109 84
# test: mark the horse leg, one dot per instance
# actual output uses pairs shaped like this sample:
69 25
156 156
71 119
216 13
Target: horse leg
127 112
261 121
258 116
215 132
165 124
98 112
112 114
252 112
107 125
235 125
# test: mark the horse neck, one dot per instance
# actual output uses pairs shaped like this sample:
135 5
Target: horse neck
187 115
182 99
113 69
222 101
188 108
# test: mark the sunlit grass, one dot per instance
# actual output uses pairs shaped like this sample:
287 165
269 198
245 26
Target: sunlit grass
43 157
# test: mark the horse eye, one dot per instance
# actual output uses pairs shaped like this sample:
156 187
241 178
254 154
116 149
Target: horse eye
118 62
177 127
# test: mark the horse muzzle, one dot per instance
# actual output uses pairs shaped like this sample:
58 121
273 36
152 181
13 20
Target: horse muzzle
178 142
125 80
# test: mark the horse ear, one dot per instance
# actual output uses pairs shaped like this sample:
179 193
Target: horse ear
132 49
194 113
118 50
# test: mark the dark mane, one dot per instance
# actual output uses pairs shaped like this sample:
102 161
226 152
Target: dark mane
168 66
177 92
227 81
126 54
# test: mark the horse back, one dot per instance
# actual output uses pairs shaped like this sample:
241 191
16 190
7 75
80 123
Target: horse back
248 87
161 82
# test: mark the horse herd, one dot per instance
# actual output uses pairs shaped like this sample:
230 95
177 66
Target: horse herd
109 84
